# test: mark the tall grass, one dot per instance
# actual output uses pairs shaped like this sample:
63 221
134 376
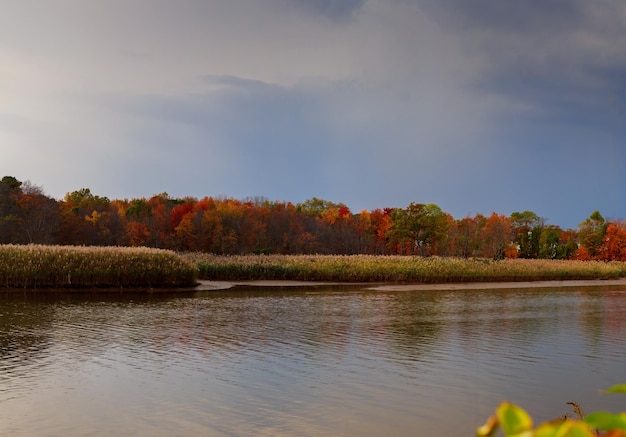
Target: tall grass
39 266
369 268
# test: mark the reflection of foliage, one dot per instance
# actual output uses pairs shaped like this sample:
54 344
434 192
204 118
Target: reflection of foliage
416 328
516 422
24 332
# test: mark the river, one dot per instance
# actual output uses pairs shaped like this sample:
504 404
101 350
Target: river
312 361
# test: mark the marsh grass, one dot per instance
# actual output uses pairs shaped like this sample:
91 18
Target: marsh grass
39 266
369 268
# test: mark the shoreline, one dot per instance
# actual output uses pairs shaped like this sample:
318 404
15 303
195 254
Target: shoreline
205 285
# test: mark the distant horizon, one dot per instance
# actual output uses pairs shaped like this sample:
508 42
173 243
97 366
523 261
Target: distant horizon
335 201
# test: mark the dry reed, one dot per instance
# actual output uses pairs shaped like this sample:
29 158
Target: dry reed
39 266
369 268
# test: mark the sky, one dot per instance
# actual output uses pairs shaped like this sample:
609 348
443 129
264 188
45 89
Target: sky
474 105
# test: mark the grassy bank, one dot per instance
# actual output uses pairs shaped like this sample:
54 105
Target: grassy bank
37 266
367 268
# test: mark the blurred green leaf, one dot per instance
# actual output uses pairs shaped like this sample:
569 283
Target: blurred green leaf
550 429
578 429
567 428
620 388
516 422
606 421
513 419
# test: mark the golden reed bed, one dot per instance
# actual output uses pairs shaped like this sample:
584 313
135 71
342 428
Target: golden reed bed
406 269
39 266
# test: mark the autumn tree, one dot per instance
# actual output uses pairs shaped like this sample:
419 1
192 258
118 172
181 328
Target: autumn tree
290 231
591 234
39 215
613 246
161 206
256 237
330 224
380 230
362 232
89 219
498 238
230 226
211 228
137 219
182 227
467 236
336 222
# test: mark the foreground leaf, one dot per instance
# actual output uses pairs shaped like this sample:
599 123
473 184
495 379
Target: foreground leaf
567 428
607 421
489 428
550 429
513 419
620 388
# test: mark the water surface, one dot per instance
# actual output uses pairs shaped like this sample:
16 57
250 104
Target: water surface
307 361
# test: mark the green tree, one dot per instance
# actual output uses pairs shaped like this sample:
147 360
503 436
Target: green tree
591 233
527 227
315 207
10 192
420 227
11 182
549 243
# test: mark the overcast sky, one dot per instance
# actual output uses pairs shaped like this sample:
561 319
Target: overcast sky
475 105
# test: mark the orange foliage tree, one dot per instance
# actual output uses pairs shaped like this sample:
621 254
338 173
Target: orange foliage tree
230 226
613 246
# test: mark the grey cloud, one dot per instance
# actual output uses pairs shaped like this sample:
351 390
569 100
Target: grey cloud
269 135
561 98
252 135
553 60
250 85
379 102
545 16
17 123
334 9
567 33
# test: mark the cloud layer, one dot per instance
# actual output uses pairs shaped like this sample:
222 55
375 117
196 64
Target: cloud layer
476 105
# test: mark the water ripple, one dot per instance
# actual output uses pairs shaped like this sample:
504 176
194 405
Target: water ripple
322 362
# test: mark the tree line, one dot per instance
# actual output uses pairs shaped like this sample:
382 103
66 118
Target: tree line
316 226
